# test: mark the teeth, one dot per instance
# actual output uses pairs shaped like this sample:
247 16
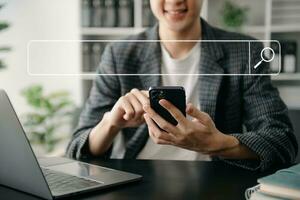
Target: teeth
175 11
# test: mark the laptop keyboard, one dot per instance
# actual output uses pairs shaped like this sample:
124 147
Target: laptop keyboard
61 183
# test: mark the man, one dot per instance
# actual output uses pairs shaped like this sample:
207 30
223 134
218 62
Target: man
117 119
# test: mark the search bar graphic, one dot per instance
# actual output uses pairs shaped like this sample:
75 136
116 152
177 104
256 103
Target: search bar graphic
229 57
263 56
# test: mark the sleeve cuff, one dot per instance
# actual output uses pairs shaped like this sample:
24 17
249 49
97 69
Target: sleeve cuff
83 145
258 145
79 148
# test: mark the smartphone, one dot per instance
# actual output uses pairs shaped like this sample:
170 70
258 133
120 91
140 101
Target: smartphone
173 94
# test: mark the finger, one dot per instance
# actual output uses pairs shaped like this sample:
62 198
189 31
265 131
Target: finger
155 132
127 107
202 117
159 141
140 95
146 93
175 112
156 137
140 120
161 122
137 106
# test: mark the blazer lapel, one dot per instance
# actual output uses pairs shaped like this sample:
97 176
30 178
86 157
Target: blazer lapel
211 55
210 82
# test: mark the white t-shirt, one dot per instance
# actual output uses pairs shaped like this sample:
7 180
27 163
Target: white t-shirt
187 67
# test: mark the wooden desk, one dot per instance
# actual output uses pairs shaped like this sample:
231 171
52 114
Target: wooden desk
169 180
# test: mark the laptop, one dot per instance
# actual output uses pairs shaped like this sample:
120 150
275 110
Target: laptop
48 178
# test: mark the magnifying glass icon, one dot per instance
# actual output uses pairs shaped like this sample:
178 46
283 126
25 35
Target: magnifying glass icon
263 59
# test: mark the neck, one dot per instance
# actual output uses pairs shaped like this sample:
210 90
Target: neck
178 50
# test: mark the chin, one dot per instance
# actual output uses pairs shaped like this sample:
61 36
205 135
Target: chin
179 26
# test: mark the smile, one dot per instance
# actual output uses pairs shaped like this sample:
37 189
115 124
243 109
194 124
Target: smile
175 12
176 15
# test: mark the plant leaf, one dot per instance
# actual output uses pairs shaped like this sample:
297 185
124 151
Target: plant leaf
5 49
51 113
2 65
2 5
3 25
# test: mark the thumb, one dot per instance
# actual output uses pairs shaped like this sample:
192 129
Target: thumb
202 117
192 110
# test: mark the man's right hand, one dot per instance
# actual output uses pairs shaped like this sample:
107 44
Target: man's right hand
127 112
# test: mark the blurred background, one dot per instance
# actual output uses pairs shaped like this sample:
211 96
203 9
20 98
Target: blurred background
49 105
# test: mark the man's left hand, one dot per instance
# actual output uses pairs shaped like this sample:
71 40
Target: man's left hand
199 134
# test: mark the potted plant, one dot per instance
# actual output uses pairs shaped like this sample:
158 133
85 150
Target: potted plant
49 121
233 16
3 25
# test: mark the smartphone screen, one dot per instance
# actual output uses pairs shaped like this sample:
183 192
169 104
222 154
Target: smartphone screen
173 94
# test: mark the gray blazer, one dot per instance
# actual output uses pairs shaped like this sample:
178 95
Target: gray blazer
247 107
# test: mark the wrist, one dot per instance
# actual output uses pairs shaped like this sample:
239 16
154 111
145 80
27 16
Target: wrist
102 135
107 124
229 147
226 142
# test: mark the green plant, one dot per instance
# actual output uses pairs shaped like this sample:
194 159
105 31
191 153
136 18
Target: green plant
3 25
49 116
233 15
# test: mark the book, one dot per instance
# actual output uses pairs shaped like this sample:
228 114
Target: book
125 13
284 183
261 196
97 50
148 17
97 13
86 13
110 13
86 57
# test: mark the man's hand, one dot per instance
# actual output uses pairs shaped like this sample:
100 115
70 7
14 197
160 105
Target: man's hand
198 134
128 111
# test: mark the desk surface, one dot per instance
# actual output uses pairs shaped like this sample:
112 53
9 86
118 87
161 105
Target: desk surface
169 180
